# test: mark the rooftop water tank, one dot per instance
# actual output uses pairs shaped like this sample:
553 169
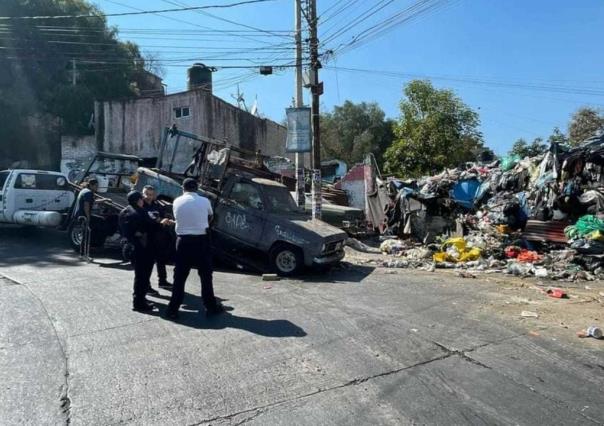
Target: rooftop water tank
200 77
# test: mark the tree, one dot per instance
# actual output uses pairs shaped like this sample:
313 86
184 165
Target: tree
584 124
353 130
486 155
522 149
557 137
37 59
435 130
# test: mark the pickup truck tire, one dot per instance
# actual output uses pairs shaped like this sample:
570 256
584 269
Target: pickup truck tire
286 260
75 232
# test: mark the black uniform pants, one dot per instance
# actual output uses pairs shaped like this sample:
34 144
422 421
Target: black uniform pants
162 242
143 266
192 251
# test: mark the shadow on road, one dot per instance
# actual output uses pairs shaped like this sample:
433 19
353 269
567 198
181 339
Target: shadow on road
34 246
345 273
196 319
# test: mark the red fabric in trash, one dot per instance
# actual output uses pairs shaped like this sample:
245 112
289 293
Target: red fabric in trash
528 256
512 251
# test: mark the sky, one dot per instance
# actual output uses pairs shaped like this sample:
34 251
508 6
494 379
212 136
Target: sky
524 66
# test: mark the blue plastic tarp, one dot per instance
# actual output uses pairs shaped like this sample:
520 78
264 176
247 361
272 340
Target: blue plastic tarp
464 192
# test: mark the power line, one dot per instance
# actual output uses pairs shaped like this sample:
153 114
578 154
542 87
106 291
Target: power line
483 82
144 12
179 3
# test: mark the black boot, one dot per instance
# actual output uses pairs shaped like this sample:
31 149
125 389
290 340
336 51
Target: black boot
142 306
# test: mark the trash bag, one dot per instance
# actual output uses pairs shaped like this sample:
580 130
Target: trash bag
585 225
456 250
509 162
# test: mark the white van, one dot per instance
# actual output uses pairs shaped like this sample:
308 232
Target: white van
34 197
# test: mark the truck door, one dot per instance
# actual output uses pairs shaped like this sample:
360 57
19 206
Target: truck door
240 216
38 191
3 179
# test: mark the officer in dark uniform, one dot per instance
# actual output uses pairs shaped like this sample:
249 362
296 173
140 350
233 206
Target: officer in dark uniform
160 239
136 225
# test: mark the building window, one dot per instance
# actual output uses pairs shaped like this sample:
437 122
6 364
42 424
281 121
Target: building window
181 112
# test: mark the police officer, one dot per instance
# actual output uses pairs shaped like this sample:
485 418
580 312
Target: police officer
136 225
193 214
160 239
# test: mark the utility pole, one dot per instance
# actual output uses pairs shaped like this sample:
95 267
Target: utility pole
73 72
316 90
299 102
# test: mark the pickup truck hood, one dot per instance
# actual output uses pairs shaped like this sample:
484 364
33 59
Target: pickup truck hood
322 229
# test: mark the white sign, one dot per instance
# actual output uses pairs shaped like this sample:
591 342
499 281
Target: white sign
299 134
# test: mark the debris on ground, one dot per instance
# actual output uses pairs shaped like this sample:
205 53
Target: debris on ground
593 331
541 216
270 277
529 314
360 246
558 293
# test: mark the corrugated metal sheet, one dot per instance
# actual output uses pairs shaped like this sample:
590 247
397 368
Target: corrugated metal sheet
551 231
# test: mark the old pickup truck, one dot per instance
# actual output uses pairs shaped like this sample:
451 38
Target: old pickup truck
34 197
257 221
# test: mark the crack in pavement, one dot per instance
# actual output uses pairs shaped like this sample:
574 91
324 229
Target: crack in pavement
448 353
534 390
353 382
64 399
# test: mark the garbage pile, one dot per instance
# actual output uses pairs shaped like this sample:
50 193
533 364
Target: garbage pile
540 216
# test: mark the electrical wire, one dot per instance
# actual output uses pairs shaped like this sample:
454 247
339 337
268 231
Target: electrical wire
589 91
144 12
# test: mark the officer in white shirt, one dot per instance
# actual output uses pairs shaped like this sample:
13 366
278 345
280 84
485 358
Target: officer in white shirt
193 214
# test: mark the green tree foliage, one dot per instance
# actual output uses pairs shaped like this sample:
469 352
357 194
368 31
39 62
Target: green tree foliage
353 130
436 130
584 124
557 137
523 149
36 58
520 148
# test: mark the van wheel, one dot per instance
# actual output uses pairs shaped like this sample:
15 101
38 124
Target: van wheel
286 260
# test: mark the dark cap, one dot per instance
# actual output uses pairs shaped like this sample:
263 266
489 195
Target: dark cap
92 181
133 197
190 184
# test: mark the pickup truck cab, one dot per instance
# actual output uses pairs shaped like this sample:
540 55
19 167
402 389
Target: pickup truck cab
34 197
257 218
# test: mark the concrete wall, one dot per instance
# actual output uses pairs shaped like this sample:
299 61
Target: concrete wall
76 154
134 126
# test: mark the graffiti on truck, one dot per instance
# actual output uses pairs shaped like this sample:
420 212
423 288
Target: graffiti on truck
288 236
237 221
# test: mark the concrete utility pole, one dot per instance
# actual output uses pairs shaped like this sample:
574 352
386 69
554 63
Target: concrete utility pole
316 90
299 102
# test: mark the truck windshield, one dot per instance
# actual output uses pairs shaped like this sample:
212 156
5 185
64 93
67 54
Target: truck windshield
3 176
279 200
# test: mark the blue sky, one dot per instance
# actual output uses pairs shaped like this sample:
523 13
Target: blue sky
525 66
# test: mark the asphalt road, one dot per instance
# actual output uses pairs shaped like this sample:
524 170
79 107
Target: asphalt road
352 346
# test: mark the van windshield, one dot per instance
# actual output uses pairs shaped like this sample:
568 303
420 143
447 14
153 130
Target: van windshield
3 177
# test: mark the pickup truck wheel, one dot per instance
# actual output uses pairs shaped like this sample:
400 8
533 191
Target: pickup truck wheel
76 233
286 260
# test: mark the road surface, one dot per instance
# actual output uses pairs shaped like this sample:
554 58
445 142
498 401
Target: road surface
352 346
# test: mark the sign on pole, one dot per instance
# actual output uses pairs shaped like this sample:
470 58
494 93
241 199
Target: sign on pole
299 134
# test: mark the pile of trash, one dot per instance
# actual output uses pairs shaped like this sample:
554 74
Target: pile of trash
540 216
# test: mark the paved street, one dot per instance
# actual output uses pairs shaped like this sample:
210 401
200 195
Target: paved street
353 346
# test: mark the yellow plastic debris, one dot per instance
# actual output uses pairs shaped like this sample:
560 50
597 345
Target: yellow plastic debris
459 253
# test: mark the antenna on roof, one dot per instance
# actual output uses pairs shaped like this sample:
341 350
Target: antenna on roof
240 99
